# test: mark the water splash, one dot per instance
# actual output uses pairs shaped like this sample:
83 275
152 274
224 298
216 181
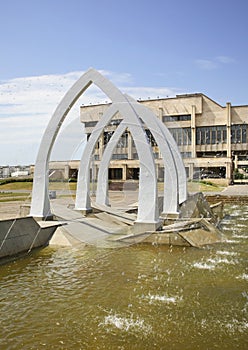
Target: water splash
126 324
204 266
162 298
225 252
244 276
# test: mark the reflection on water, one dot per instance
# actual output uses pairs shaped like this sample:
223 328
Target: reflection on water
142 297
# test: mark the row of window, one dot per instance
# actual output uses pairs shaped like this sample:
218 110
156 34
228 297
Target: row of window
182 136
218 134
176 118
204 136
239 133
211 135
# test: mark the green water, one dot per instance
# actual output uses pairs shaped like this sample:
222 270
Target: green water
142 297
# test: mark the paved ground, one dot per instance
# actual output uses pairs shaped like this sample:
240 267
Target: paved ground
236 190
117 199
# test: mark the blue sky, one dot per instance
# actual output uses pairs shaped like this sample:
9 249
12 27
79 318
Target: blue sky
147 48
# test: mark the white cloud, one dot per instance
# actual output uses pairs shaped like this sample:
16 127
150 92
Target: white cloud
27 104
225 59
206 64
211 64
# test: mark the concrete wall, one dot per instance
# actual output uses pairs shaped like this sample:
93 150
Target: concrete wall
19 235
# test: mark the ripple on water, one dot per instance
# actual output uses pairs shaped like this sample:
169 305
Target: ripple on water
216 261
162 298
148 297
204 266
125 323
225 252
244 276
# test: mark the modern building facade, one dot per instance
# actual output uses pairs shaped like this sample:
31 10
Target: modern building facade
212 139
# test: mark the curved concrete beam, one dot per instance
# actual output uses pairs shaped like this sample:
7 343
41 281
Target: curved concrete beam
169 150
148 202
172 190
40 205
102 179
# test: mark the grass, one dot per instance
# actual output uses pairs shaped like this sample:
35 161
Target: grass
12 199
27 186
193 186
13 196
204 186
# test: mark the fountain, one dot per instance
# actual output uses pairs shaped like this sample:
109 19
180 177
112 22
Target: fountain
168 219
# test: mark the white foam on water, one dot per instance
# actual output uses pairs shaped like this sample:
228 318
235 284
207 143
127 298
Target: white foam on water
204 266
214 261
244 276
240 236
225 252
245 295
241 225
244 217
219 260
236 325
126 323
232 241
162 298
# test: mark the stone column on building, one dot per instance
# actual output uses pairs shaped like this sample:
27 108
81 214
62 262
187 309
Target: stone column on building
229 168
124 172
191 171
67 172
193 133
236 161
161 112
228 129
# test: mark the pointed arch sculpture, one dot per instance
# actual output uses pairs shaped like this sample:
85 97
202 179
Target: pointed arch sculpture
148 197
132 113
175 191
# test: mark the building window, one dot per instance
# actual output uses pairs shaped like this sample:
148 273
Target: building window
176 118
115 173
90 124
133 173
182 136
186 154
211 135
123 142
107 136
119 156
239 133
150 138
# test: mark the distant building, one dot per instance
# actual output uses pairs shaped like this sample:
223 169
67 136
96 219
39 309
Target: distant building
14 171
213 140
19 173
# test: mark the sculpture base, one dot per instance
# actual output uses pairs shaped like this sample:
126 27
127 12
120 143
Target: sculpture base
139 227
85 211
43 218
170 216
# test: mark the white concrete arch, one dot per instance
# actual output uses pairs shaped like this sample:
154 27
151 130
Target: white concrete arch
102 180
148 198
175 189
169 149
130 110
40 205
